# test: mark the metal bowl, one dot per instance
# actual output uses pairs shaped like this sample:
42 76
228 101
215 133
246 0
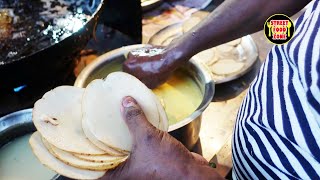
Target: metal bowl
187 130
15 125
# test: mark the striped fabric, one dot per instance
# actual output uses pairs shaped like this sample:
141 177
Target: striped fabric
277 132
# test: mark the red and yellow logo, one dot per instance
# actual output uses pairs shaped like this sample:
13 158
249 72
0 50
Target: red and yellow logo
279 29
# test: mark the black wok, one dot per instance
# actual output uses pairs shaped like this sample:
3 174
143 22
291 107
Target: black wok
52 62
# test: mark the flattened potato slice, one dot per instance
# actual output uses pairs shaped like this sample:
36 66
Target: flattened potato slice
47 159
57 116
101 108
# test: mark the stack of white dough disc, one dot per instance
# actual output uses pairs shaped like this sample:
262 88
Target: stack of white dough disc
81 133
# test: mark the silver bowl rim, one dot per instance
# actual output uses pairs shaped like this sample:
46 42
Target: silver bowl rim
107 57
17 118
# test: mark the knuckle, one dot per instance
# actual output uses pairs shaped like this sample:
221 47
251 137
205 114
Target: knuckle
133 113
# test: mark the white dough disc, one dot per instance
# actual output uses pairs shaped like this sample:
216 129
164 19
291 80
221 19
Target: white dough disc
100 144
227 52
235 42
190 23
47 159
74 161
101 108
225 48
57 116
225 67
169 40
207 56
99 158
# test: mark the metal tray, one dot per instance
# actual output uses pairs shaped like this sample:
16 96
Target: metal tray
249 47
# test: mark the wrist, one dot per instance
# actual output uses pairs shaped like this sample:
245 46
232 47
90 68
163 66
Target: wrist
204 172
177 53
190 171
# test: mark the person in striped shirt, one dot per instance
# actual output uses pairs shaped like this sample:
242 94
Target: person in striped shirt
277 132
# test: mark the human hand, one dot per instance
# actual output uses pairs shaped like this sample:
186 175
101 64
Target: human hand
151 65
155 154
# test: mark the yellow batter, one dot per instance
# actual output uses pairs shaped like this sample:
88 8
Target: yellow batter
180 96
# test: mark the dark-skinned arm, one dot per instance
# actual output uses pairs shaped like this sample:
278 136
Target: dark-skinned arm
232 19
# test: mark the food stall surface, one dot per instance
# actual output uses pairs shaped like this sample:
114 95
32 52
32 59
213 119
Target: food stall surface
219 118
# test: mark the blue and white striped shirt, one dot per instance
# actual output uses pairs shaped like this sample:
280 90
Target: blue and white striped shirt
277 132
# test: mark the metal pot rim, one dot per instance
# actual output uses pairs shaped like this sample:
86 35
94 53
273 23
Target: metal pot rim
107 57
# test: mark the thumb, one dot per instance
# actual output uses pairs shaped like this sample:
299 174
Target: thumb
135 118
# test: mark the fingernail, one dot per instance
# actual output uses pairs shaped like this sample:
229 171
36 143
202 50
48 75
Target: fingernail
128 102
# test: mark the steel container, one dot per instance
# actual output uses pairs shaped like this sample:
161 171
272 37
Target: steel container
186 130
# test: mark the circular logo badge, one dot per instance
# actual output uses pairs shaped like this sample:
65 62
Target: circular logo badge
279 29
